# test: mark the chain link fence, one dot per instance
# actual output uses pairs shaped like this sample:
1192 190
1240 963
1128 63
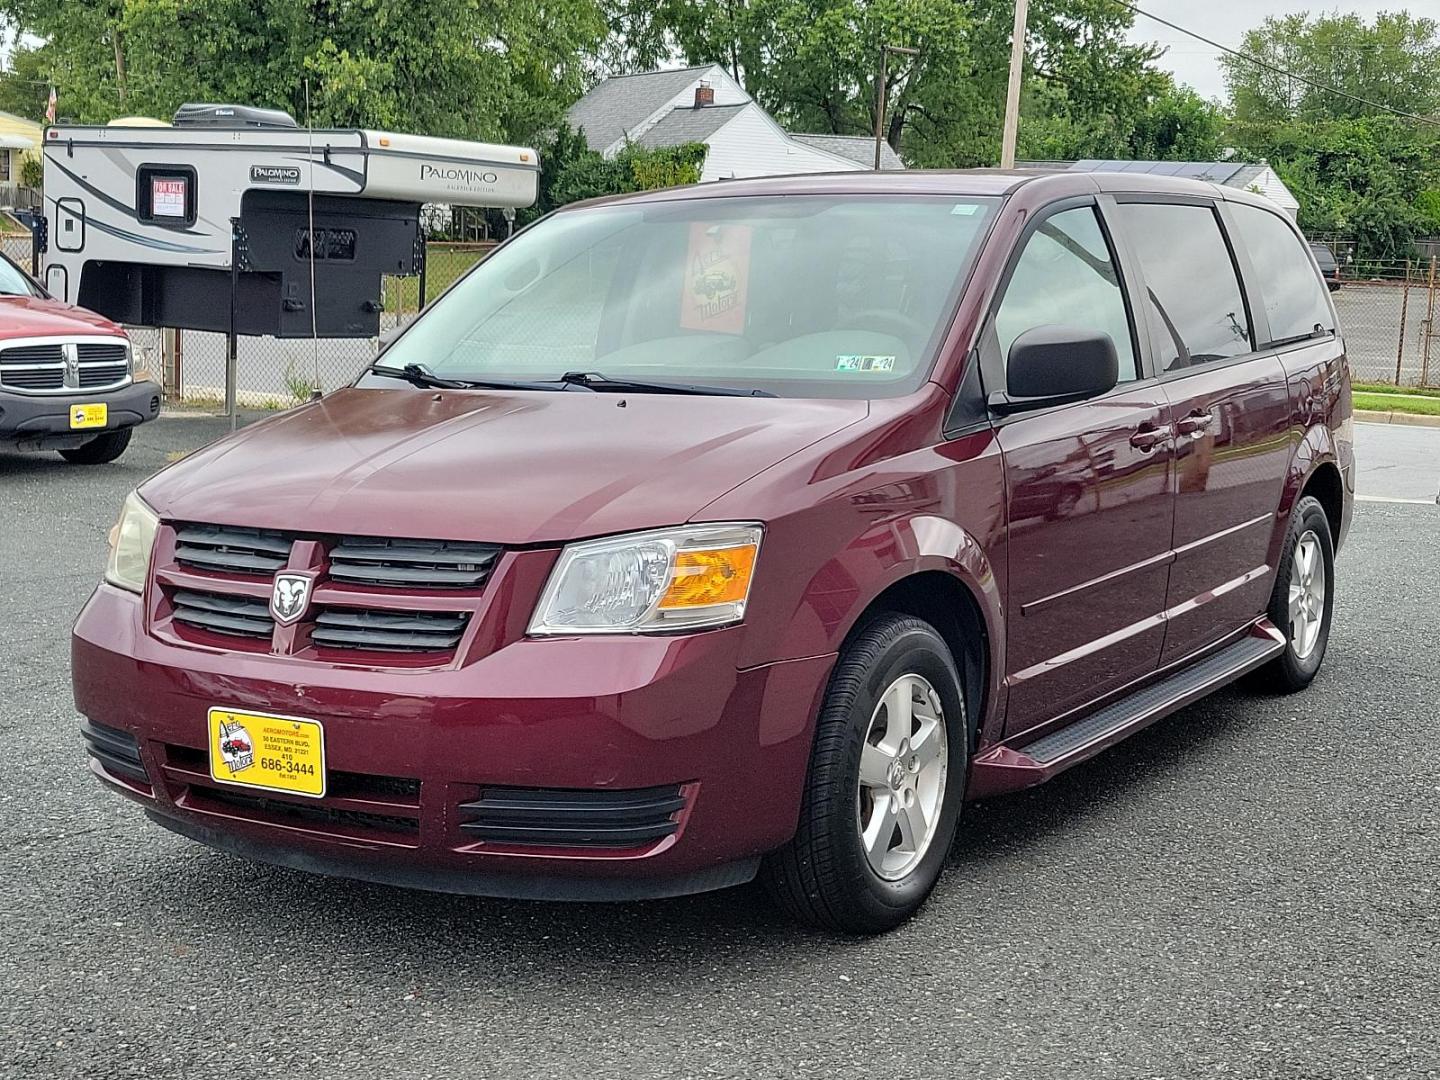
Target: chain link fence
1390 314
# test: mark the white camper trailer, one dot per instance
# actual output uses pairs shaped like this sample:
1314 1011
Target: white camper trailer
222 221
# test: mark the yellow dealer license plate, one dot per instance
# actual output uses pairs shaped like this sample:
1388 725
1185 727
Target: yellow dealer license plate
88 416
272 753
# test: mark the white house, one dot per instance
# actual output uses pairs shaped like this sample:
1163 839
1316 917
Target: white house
704 104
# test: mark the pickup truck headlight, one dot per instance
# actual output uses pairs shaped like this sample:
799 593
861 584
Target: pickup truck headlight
669 579
131 541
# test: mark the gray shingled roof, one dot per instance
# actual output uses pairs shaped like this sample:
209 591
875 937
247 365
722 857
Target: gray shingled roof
1229 173
617 105
689 125
859 148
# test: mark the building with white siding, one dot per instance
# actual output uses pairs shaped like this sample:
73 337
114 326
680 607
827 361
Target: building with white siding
705 105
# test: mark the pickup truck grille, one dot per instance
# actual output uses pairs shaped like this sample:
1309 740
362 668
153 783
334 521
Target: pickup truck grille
33 354
34 379
60 365
370 594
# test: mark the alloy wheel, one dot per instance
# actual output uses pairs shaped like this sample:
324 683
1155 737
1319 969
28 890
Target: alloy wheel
1307 594
902 777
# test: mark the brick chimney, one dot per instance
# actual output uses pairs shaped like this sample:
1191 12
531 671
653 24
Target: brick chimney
704 95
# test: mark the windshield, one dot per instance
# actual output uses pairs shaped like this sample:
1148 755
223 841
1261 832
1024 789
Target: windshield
13 282
815 296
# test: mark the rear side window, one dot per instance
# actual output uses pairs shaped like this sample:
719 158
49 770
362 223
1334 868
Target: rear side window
1066 276
1294 298
1197 313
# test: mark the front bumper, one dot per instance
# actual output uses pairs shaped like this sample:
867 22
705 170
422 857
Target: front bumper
44 419
416 747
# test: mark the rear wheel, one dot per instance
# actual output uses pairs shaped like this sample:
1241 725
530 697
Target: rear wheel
1304 597
886 782
99 450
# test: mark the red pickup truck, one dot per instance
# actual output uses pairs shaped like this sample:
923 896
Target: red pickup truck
67 377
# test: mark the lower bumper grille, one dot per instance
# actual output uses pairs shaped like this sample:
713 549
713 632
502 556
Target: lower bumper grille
309 814
116 751
356 805
571 818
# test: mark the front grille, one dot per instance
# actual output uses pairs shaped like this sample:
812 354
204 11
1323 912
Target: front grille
33 354
105 352
114 749
571 818
222 614
229 550
390 631
417 564
43 379
102 374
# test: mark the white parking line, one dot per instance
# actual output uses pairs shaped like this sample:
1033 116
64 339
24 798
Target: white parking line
1403 502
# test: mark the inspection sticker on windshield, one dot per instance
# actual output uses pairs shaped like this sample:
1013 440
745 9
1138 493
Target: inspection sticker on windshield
881 364
965 209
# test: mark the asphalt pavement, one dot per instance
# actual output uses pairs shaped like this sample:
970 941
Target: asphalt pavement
1248 889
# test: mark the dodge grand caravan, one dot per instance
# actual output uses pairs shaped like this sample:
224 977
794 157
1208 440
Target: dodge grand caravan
67 379
746 529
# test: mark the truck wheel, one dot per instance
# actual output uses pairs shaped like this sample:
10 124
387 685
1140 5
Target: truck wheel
886 781
99 450
1304 598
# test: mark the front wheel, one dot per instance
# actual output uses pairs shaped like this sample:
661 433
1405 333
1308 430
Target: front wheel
100 450
886 781
1303 601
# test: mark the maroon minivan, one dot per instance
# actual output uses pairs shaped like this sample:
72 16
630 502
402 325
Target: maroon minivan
745 529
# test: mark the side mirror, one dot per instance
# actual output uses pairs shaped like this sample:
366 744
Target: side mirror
1055 365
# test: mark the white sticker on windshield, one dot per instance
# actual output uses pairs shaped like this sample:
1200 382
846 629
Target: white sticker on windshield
865 363
965 208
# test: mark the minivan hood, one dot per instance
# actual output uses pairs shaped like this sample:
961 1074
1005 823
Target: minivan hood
33 316
506 467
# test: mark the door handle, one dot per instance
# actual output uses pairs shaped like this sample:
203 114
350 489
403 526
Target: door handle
1146 437
1194 424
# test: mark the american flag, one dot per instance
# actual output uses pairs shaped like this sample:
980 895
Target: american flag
50 108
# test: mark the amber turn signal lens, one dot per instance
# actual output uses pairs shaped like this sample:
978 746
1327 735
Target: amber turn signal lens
716 576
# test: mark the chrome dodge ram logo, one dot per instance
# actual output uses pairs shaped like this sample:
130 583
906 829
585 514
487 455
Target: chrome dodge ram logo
291 597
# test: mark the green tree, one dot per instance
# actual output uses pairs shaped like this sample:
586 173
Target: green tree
445 67
1394 62
811 63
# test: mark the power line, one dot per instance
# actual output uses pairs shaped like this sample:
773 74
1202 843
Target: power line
1249 58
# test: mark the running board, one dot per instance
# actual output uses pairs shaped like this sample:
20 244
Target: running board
1010 768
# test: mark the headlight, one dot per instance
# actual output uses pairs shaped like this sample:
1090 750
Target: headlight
669 579
130 542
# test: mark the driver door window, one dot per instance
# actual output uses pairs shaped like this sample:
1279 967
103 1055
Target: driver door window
1067 276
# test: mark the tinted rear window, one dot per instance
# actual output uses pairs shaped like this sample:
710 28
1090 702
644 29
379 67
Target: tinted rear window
1294 297
1197 312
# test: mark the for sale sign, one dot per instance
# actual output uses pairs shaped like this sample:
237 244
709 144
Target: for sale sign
167 197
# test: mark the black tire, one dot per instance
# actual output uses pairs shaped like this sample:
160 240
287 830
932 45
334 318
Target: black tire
1291 671
822 877
100 450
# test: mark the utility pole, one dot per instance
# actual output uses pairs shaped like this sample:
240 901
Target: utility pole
1012 91
119 61
885 51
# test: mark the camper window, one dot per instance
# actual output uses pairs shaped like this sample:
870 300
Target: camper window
165 195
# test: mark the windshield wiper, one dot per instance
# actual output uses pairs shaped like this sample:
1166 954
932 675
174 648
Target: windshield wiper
593 380
421 375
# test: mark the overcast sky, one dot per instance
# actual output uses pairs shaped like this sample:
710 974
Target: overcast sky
1225 21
